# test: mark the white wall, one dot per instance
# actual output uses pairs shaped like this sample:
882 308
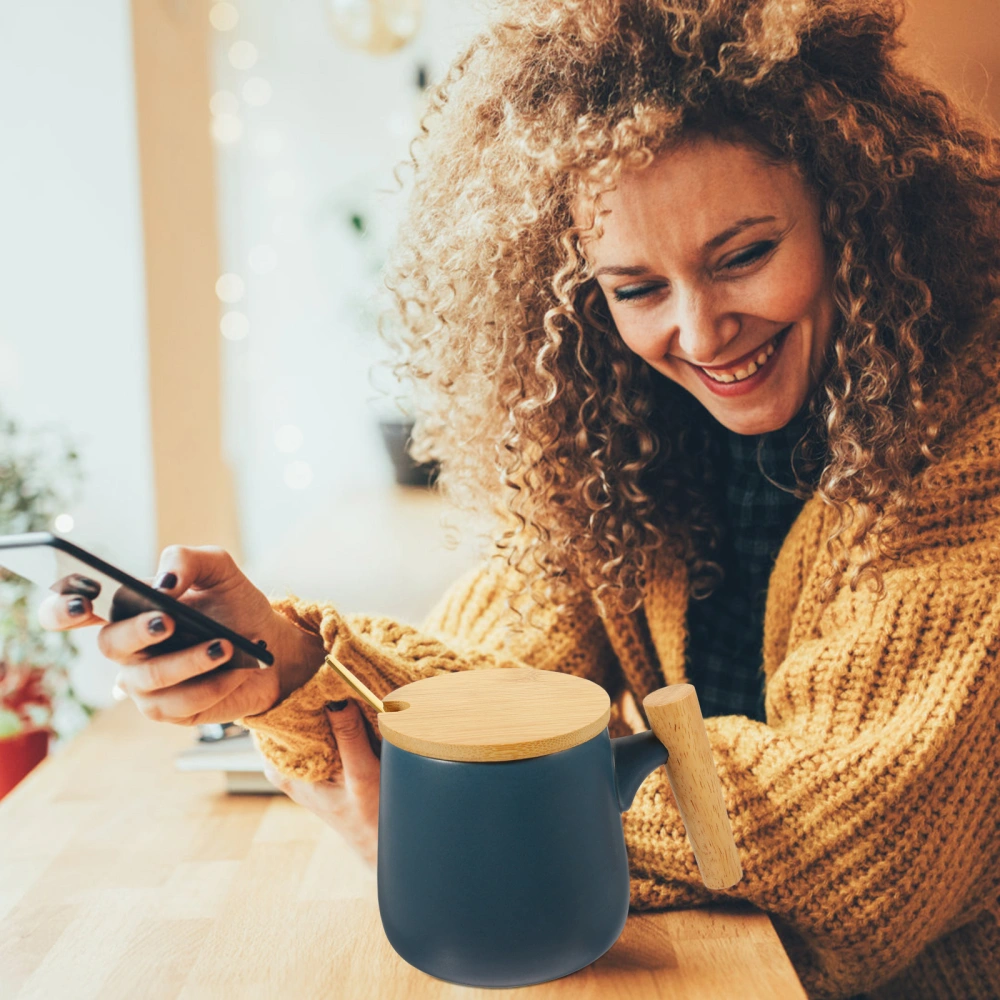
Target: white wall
326 141
72 308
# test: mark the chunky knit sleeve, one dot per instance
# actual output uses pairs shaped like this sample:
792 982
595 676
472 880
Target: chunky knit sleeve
471 628
866 810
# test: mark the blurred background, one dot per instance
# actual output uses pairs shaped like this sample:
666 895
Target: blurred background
197 197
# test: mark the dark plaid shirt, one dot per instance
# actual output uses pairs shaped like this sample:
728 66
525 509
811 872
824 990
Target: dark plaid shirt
726 630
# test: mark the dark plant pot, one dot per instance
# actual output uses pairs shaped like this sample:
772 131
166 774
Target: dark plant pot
396 435
19 754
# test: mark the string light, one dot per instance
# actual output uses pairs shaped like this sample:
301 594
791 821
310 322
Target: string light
224 102
63 523
234 325
227 128
242 55
230 288
223 16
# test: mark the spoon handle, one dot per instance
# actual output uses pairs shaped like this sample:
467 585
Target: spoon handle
354 683
675 717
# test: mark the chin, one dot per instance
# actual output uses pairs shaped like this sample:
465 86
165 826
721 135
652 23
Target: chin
760 420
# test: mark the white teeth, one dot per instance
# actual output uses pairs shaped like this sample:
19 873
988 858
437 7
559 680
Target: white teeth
742 373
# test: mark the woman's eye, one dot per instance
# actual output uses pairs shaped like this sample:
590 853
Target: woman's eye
624 294
747 257
751 254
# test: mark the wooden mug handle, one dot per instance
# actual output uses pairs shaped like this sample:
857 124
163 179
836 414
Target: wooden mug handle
675 715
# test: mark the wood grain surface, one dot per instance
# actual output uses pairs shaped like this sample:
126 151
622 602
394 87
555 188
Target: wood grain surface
511 713
121 877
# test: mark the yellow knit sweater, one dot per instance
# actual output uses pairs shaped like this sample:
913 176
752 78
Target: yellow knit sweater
866 810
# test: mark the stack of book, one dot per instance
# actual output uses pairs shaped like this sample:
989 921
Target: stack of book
229 749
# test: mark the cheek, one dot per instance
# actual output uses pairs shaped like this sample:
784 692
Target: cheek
640 331
793 285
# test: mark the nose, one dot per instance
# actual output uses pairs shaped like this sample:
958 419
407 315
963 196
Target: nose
699 331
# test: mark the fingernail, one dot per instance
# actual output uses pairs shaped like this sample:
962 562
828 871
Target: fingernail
215 650
75 606
165 581
156 625
336 706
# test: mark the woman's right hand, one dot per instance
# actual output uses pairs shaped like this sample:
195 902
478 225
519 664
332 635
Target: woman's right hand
184 687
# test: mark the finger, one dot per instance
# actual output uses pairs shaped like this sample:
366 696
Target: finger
151 675
125 641
194 700
193 566
274 776
327 799
59 612
351 732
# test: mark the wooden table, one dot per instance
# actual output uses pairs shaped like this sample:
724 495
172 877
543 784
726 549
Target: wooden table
121 877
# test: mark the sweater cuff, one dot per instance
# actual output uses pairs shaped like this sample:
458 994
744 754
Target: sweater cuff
294 735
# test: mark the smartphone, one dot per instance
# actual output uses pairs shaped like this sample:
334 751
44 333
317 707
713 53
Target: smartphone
50 561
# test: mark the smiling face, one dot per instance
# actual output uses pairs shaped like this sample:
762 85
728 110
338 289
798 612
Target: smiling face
712 258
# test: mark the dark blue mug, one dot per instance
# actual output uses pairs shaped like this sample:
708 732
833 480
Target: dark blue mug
510 872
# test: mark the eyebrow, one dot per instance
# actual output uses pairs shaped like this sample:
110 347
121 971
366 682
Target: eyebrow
716 241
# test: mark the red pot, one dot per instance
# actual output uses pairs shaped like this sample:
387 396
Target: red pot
19 754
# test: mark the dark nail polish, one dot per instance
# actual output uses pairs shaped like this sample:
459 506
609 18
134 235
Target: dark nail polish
336 706
157 626
215 650
262 643
165 581
75 606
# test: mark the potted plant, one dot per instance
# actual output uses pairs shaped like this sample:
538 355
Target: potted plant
37 700
394 412
24 696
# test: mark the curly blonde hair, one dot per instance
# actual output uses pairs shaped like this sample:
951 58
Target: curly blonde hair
527 396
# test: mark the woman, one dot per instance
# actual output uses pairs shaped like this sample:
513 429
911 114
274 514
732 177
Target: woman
705 301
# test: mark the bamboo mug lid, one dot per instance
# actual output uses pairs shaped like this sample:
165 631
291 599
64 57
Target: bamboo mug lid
502 713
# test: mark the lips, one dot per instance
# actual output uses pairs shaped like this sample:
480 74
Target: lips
752 356
722 384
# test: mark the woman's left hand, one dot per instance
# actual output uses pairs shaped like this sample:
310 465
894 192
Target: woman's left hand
350 806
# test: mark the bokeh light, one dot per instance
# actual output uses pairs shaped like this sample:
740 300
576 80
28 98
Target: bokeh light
230 288
242 54
223 16
234 325
227 128
298 475
224 102
288 438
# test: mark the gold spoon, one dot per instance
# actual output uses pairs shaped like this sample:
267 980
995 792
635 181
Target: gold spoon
354 683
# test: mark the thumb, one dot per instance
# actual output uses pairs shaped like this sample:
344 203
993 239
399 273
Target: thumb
351 733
